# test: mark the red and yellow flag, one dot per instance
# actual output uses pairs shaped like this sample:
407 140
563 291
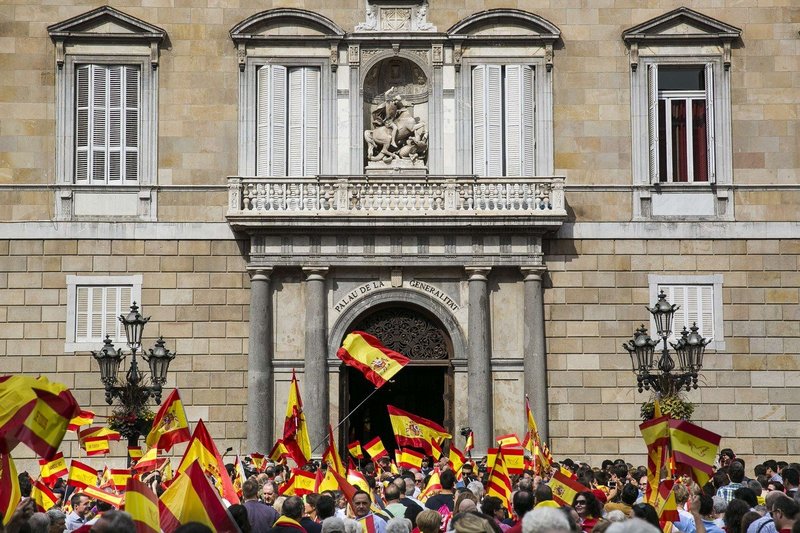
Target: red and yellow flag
436 449
345 487
356 478
565 488
96 445
456 459
135 453
355 449
434 485
514 459
470 444
169 425
499 483
96 493
541 454
258 461
81 475
694 449
508 440
325 480
53 469
120 477
35 412
278 451
655 433
9 487
99 431
302 482
84 418
365 353
203 450
147 462
239 477
410 459
665 504
191 498
142 504
295 431
331 456
375 449
42 496
412 430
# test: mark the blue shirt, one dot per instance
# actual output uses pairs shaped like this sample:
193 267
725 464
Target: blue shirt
766 521
688 526
380 523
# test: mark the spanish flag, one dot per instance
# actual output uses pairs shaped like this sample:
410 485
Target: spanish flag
147 462
356 478
436 449
295 431
456 459
9 487
470 444
96 493
355 449
565 488
202 450
365 353
169 425
331 456
53 469
301 483
413 430
410 459
514 459
694 449
345 487
258 461
238 476
325 480
84 418
278 451
42 496
434 486
191 498
135 453
538 449
375 449
96 445
142 504
665 504
99 431
508 440
499 483
81 475
120 477
35 412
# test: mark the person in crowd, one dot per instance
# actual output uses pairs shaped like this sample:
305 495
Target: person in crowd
791 481
646 512
701 507
446 496
785 513
748 518
545 520
429 521
543 496
772 470
39 523
766 524
476 488
260 515
493 507
391 496
333 524
589 510
634 525
326 507
472 523
747 495
735 476
628 496
291 514
114 521
58 520
413 506
522 504
362 503
308 521
81 504
239 514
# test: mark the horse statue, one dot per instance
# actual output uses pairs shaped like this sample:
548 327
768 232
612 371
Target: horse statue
393 127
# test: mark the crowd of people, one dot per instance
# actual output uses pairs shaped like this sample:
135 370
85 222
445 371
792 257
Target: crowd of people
735 500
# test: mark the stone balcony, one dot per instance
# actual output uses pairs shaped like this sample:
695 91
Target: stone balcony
394 201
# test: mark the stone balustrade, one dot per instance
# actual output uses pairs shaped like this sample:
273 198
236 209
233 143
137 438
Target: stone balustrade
395 196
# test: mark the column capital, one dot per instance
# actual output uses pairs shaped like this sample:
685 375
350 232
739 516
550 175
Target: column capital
315 273
259 273
478 273
533 273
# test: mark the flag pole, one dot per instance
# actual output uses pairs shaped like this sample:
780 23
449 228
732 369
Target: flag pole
348 416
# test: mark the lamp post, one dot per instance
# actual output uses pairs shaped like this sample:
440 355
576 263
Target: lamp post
134 392
663 376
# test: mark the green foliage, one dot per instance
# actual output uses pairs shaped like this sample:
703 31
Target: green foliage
672 406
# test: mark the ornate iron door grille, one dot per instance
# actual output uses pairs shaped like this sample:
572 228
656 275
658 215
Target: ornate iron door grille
409 333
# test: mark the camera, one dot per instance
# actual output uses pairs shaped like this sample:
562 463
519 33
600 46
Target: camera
465 431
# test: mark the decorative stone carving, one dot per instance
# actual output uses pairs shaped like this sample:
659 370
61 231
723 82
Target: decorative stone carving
387 15
371 21
397 139
398 75
396 19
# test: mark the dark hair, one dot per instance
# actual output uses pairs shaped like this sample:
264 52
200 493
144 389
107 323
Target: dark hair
736 472
250 488
522 502
760 470
734 513
567 510
647 512
76 499
491 504
325 506
293 508
391 492
311 499
447 479
790 476
787 506
239 514
748 518
359 491
777 484
720 478
606 464
543 493
629 494
706 504
193 527
25 485
771 464
103 506
593 506
747 495
621 470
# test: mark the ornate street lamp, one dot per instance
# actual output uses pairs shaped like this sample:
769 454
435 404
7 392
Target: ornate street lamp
130 417
661 375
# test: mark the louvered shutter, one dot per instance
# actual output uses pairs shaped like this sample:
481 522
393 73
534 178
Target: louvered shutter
296 126
82 126
710 122
528 122
513 122
494 120
115 126
479 120
652 120
705 310
95 313
82 296
263 118
99 129
311 121
278 109
131 123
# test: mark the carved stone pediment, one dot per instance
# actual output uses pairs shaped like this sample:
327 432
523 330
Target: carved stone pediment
108 22
681 25
396 16
285 24
505 23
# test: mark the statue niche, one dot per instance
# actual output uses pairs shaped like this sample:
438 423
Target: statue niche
396 106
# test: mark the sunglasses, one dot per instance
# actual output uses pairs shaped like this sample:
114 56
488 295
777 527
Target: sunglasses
580 502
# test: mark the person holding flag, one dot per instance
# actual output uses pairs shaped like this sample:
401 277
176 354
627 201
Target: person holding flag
445 498
362 509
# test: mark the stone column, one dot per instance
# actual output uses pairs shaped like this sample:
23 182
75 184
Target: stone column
479 355
533 345
314 388
260 402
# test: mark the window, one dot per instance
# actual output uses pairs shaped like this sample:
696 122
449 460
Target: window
288 121
107 124
700 301
93 305
503 120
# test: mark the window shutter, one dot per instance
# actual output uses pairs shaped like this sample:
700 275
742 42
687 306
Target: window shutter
131 124
263 122
513 122
494 120
528 121
278 110
297 103
710 121
705 313
82 313
99 130
115 132
82 107
652 119
311 121
95 313
479 120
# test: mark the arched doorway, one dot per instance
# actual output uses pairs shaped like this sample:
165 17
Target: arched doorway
424 387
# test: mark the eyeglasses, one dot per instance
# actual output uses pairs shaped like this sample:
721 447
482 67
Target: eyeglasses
419 481
580 502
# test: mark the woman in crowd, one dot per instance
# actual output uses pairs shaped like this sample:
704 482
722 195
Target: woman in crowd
589 510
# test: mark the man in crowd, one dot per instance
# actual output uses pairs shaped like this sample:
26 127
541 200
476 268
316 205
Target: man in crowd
362 503
791 481
260 515
522 502
702 508
784 513
80 509
627 498
445 497
289 521
766 524
308 521
736 475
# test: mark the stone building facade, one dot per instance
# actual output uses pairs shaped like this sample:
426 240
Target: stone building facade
497 189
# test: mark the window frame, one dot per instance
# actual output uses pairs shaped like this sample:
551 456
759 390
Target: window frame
714 281
73 283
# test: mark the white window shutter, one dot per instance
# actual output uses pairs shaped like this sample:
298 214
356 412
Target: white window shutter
705 313
528 121
99 131
95 313
513 120
296 139
479 120
652 119
263 119
130 126
311 121
115 126
712 169
82 126
494 120
278 109
82 313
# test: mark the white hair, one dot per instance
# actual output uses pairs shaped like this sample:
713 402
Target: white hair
476 488
634 525
397 525
333 524
545 520
616 516
351 526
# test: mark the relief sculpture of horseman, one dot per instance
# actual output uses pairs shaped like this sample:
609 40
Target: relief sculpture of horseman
396 134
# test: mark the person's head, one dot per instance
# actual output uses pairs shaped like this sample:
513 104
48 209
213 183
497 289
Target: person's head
269 492
791 477
747 495
103 507
619 472
733 514
706 505
720 478
332 524
391 493
493 506
326 507
646 512
736 472
586 505
310 505
57 520
681 493
629 494
784 512
471 523
447 479
250 489
476 488
361 503
748 518
719 505
755 486
239 514
429 521
771 498
726 455
545 520
419 480
39 523
398 525
634 525
193 527
543 493
522 502
293 508
776 486
772 467
80 504
114 522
